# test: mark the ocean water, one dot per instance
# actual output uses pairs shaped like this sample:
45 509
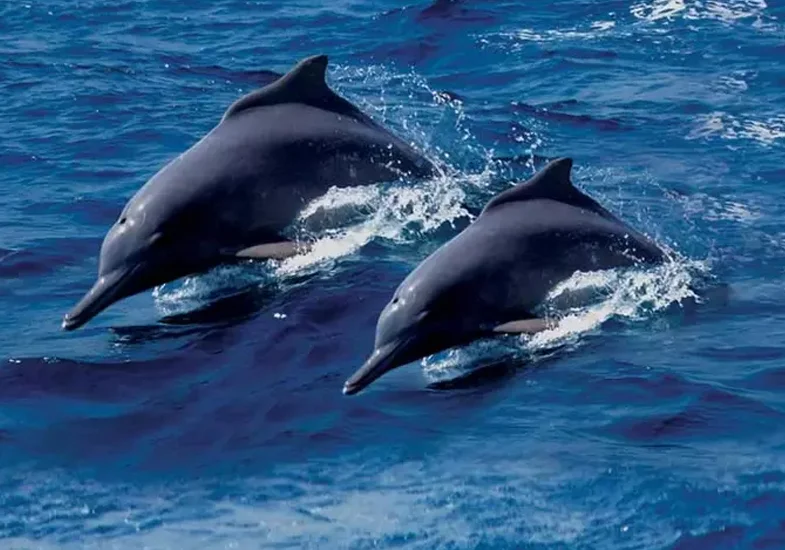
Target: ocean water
208 412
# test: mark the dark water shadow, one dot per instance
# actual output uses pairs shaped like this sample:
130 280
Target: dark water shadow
227 310
711 303
489 375
191 326
582 120
454 12
45 258
496 372
451 13
105 381
224 306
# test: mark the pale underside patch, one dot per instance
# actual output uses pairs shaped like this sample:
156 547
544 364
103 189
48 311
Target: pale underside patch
525 326
273 251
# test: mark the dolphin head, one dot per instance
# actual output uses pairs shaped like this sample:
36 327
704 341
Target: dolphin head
136 255
413 326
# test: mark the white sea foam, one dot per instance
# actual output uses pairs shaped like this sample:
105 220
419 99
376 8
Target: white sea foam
725 10
594 30
733 83
716 209
460 492
632 295
765 131
590 31
658 9
400 213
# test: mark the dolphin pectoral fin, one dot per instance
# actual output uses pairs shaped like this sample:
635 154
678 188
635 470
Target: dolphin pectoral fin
272 251
525 326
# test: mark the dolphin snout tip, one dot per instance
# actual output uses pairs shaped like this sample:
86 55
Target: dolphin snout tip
71 322
381 361
106 290
80 314
350 389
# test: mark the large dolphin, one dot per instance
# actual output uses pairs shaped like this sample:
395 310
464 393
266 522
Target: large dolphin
490 278
233 193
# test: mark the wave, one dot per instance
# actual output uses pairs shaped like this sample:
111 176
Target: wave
549 114
595 30
723 10
45 258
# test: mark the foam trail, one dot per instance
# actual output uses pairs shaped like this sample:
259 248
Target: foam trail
628 295
722 10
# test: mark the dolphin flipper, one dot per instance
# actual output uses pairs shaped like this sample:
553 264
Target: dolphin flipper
272 251
525 326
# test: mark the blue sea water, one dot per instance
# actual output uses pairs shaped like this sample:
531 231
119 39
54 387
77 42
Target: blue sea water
208 413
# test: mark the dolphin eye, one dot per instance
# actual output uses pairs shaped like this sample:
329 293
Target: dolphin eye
122 220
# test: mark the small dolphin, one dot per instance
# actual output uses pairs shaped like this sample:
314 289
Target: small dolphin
233 193
490 278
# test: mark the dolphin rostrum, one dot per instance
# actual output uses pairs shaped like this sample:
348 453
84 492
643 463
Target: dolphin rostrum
490 278
233 193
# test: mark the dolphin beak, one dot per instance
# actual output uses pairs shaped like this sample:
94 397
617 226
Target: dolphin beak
106 291
383 360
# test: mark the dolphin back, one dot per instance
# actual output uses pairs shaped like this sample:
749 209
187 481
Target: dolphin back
306 85
554 183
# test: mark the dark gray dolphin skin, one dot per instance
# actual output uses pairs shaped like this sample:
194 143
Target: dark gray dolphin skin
490 278
232 194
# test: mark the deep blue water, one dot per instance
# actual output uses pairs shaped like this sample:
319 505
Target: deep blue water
208 413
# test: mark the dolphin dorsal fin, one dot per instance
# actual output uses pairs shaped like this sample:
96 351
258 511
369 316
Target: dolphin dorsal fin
553 183
304 83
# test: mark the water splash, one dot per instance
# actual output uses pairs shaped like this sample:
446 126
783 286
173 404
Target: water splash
401 213
631 295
